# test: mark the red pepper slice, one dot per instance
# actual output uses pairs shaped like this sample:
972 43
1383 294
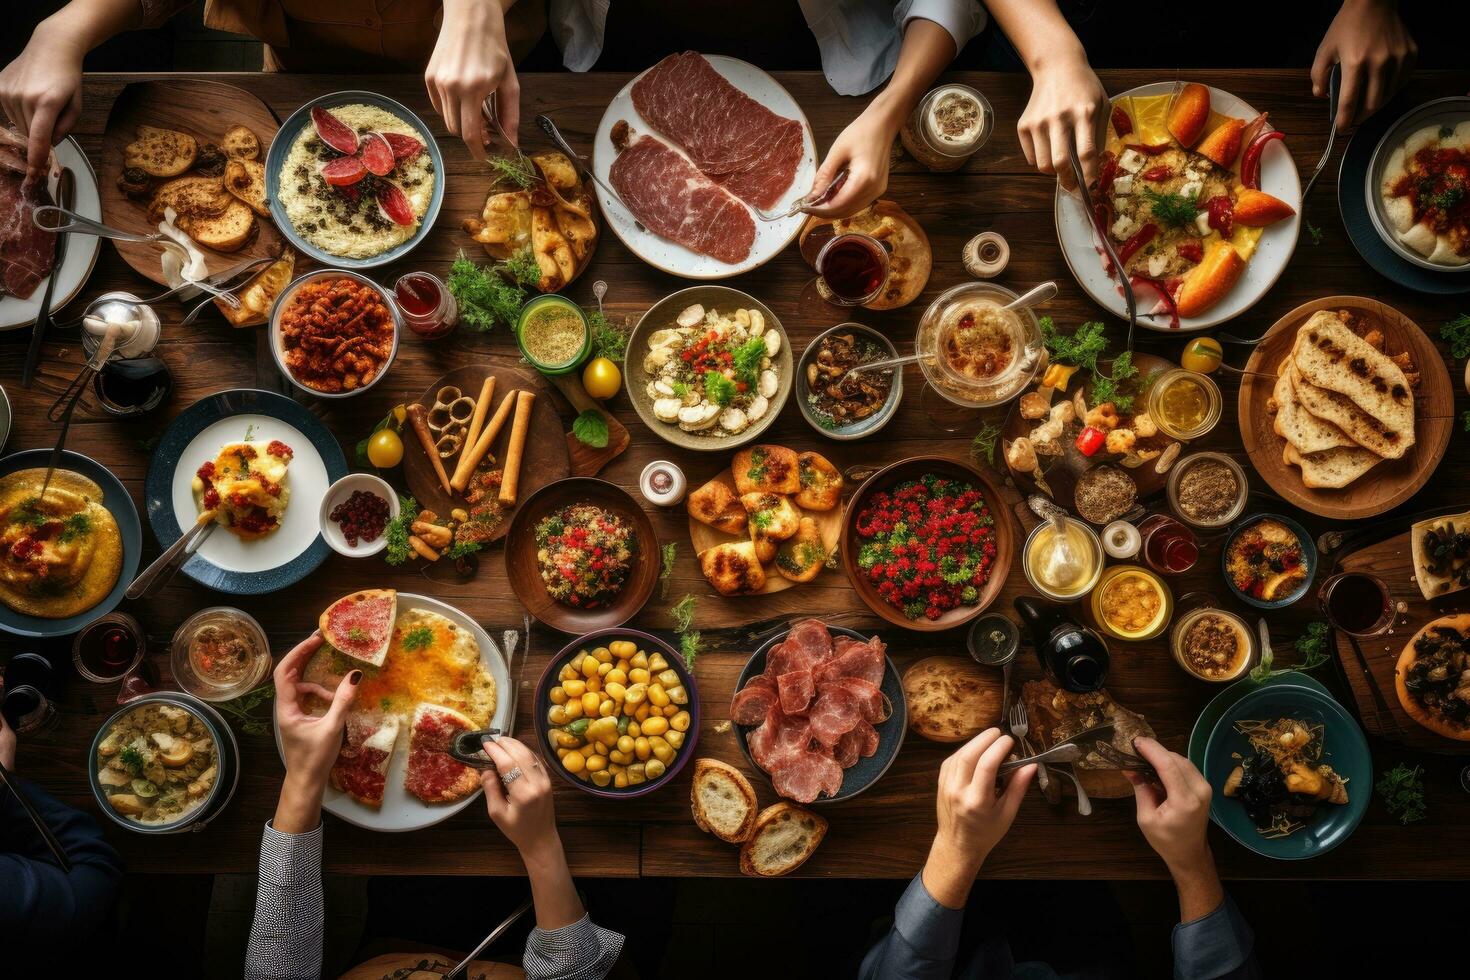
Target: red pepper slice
1147 149
1164 296
1106 174
1221 214
1141 238
1090 440
1158 173
1193 251
1250 164
1122 125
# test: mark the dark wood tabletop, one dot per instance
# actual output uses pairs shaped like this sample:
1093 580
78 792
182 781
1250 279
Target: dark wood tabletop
886 831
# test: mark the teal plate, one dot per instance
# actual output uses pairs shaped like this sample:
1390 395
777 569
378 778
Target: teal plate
1205 723
1345 749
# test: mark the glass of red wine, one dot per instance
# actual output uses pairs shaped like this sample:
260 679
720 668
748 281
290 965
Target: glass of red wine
109 647
1168 547
1357 603
854 269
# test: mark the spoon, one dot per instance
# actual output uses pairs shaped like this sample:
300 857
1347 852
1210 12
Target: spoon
66 403
599 290
1034 296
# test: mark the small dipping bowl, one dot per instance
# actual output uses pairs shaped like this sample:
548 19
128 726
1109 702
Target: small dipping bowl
339 493
1120 576
1121 540
1176 479
1092 542
1181 629
993 640
225 617
1158 396
548 303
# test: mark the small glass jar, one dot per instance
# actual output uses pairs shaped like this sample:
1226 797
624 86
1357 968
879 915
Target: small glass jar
1117 578
426 304
947 127
220 653
960 308
1121 540
531 322
1245 644
1196 392
1091 560
662 483
1217 522
108 647
852 269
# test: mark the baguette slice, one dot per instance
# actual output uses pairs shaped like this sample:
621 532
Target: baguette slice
225 232
785 836
161 152
241 144
723 801
245 179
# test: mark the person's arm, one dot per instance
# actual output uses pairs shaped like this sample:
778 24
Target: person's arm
37 898
865 145
471 61
1370 41
41 90
286 932
1068 105
973 818
566 944
1211 939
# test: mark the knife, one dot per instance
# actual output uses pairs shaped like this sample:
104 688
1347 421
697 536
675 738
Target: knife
65 191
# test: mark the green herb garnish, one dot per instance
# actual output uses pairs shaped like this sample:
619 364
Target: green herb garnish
1465 420
398 549
1456 333
1313 645
1402 792
1082 347
1111 389
522 268
668 553
357 634
77 526
683 616
418 638
508 171
689 647
243 711
461 549
133 759
1174 210
485 295
590 428
719 389
985 441
747 358
1315 232
681 388
607 340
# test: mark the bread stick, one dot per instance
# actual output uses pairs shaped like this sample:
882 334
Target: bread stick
416 416
472 455
511 472
482 410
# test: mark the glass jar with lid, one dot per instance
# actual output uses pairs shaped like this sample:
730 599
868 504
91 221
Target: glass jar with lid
973 351
947 127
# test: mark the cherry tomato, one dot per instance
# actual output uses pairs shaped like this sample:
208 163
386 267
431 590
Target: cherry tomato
385 449
1202 355
601 378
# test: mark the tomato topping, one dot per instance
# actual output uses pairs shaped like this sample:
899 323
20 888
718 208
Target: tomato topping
1158 173
1193 251
1122 125
1090 440
1221 214
1141 238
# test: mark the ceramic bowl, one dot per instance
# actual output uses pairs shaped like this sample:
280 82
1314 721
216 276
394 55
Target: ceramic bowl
853 430
1309 560
278 350
338 493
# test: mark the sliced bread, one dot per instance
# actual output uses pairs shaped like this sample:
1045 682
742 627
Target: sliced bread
1328 355
228 231
785 836
723 801
241 144
1304 431
1331 469
161 152
246 180
190 197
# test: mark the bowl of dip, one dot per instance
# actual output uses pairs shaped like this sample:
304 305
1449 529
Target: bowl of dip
1207 490
1131 603
553 334
947 127
1212 645
1062 566
973 352
1185 404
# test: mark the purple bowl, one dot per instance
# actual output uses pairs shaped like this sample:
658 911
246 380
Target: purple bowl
649 644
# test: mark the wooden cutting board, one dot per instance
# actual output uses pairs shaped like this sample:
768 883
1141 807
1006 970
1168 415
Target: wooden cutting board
203 109
545 459
1368 664
588 460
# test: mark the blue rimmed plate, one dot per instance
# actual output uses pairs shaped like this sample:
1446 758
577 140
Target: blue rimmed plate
1344 748
1199 736
286 138
117 501
865 772
225 562
1309 559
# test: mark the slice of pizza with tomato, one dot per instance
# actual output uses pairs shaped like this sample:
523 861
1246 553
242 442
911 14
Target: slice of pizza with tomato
433 775
361 769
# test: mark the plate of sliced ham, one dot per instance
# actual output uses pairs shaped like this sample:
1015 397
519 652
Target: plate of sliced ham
821 711
694 146
28 253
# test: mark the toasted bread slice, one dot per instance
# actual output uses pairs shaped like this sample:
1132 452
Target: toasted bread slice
821 483
785 836
715 504
257 298
227 232
766 469
246 180
1329 356
800 558
241 144
733 569
1331 469
161 152
1305 432
190 197
723 801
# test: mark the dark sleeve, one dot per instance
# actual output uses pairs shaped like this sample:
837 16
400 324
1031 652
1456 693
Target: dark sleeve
923 942
37 896
1220 946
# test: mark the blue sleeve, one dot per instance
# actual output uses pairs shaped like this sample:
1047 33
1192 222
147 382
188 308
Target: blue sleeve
286 933
922 943
36 896
1220 945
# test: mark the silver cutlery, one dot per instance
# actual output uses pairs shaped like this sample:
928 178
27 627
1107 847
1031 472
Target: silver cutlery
549 128
809 201
460 969
1129 300
1334 88
1065 752
157 575
66 403
1020 728
65 191
80 224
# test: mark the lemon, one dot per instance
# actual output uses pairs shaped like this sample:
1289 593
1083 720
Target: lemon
385 449
601 378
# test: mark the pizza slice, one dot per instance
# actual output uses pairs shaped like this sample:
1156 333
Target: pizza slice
433 775
361 625
361 769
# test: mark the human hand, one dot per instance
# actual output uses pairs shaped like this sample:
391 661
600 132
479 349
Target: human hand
470 63
523 809
41 93
865 148
1173 812
309 743
7 739
1376 53
1068 106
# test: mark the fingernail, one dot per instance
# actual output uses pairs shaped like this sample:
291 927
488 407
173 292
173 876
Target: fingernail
355 678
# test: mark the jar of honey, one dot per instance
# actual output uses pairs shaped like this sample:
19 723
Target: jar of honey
1185 404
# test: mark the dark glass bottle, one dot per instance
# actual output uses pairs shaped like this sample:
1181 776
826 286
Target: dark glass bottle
30 683
1074 657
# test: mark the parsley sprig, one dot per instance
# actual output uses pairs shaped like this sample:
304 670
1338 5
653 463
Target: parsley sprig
689 640
1174 210
1402 790
396 533
488 295
1313 646
1456 333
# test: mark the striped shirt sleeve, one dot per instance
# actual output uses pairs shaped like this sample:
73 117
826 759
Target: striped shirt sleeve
286 934
580 951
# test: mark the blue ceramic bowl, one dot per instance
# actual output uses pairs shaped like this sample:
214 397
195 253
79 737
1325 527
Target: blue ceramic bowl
168 458
281 146
865 772
649 644
117 500
867 426
1309 559
1344 748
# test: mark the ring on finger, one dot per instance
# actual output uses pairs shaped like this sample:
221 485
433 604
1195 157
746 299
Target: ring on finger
507 778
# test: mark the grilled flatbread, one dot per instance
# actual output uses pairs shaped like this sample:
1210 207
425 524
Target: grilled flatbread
1330 357
1305 432
1331 469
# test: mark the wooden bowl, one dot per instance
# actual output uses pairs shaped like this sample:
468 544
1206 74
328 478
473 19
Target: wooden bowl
912 469
525 574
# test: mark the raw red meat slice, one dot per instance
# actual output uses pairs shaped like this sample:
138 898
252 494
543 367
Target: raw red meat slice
869 697
377 154
753 702
404 147
833 714
333 131
26 252
394 203
728 135
812 638
796 690
805 775
846 750
856 660
677 202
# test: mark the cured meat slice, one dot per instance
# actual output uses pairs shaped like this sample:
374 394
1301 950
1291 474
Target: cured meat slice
753 701
26 252
864 660
778 739
869 697
796 689
868 739
847 749
833 714
728 135
433 775
812 638
361 769
675 201
805 775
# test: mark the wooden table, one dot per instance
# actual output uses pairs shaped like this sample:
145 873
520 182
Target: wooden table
885 832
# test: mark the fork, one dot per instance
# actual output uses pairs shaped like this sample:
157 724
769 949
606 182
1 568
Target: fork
1020 727
809 201
1124 761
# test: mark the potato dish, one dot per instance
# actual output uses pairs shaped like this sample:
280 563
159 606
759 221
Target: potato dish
157 764
618 715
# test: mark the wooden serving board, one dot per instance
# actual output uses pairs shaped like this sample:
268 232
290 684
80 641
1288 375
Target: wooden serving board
703 537
1369 668
203 109
545 459
1387 484
588 460
1063 472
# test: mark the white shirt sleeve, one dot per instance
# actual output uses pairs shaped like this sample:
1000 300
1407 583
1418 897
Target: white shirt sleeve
963 19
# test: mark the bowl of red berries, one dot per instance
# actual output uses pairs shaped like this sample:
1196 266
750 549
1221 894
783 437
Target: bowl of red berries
355 515
927 542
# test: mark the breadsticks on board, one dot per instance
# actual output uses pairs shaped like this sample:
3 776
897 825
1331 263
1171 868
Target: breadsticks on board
511 471
416 416
472 455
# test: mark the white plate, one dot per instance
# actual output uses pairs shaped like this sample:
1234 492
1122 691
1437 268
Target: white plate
81 250
306 476
1278 178
402 810
770 236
